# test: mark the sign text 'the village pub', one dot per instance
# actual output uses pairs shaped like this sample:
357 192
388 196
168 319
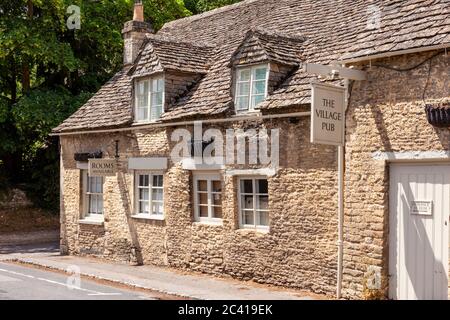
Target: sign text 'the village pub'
327 114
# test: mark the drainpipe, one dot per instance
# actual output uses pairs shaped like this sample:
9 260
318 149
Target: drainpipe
341 176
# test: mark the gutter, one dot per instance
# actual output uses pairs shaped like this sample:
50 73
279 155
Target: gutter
185 123
394 53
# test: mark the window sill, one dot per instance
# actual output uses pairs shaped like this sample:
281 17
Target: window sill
262 230
148 217
143 123
209 223
90 221
243 113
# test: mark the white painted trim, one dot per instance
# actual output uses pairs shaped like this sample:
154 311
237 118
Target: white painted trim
148 217
209 177
411 155
242 226
256 116
395 53
269 172
82 165
189 164
147 163
91 221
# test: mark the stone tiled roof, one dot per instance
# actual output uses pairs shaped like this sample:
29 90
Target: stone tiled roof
331 29
163 53
259 46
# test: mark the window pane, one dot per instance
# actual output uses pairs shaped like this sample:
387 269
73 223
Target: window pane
143 180
257 100
246 186
247 202
142 114
262 202
244 75
243 89
99 185
217 212
260 73
217 186
157 208
91 184
242 103
143 194
92 204
259 87
143 207
157 85
158 181
247 217
203 198
203 211
99 204
262 186
142 94
157 194
156 112
262 218
217 199
202 185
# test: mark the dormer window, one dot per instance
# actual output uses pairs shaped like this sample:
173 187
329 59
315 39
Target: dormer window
251 87
149 104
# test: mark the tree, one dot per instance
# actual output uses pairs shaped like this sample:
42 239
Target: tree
48 71
200 6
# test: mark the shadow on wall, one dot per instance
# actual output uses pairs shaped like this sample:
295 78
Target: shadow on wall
136 250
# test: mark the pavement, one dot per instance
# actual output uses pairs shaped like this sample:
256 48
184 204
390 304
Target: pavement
162 280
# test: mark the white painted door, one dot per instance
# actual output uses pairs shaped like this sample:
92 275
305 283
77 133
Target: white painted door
419 237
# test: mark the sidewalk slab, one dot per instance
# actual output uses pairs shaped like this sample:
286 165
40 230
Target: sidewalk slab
163 280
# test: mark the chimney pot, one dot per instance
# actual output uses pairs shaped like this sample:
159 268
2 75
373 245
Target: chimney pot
138 14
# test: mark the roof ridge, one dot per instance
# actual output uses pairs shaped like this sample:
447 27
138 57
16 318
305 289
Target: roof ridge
207 13
168 39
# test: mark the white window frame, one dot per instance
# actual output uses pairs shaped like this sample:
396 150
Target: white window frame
151 92
209 177
252 80
86 194
150 214
254 194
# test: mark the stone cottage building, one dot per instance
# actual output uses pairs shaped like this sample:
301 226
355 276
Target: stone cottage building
242 69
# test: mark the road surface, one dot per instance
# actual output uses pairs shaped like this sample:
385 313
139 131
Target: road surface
27 283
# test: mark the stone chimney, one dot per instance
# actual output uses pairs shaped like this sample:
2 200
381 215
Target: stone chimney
134 32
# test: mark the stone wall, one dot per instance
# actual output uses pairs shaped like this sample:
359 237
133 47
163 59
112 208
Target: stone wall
386 114
299 251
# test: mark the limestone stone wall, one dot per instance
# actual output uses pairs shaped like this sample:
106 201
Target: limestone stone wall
386 114
298 251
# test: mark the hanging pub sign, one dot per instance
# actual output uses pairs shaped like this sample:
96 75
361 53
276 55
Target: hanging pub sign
327 114
102 167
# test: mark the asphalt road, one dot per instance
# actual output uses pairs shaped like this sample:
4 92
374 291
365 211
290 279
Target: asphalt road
26 283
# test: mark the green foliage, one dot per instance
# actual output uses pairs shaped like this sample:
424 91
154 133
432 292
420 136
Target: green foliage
48 71
199 6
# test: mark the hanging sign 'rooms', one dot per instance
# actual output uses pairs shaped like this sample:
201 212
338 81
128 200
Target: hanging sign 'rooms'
102 167
327 114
